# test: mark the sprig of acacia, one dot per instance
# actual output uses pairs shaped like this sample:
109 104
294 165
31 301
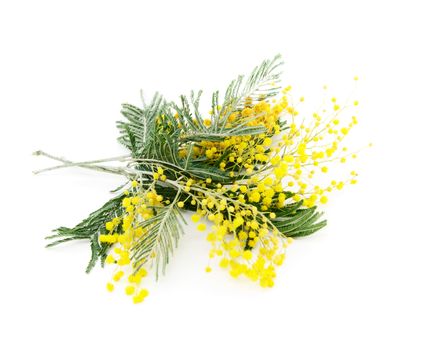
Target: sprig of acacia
245 168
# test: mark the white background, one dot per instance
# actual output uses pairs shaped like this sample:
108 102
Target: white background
361 283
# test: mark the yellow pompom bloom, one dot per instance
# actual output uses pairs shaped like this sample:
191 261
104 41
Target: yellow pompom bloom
110 259
130 290
140 297
268 181
254 196
247 255
267 142
117 276
224 263
109 226
126 202
202 227
254 224
137 299
144 293
340 185
109 287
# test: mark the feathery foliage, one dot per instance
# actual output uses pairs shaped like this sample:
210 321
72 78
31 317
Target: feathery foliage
89 229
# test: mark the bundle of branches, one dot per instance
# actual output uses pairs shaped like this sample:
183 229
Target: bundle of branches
245 170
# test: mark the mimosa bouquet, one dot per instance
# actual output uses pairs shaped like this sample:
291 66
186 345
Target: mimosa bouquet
245 168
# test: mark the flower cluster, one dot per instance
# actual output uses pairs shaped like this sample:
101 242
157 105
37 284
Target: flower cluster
272 170
252 173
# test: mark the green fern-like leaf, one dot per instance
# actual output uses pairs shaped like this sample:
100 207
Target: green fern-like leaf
89 229
163 232
294 221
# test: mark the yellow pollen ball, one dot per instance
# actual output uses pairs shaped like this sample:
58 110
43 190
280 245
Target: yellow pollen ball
109 226
144 293
247 255
118 276
110 259
267 142
202 227
224 263
137 299
130 290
